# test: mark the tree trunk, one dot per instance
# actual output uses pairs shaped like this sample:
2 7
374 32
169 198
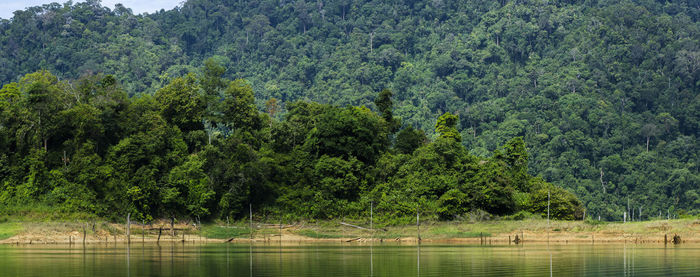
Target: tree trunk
602 183
418 222
128 228
84 232
250 210
647 144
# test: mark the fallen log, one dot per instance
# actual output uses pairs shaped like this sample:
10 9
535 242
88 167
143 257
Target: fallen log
351 240
176 229
277 225
360 227
231 227
354 226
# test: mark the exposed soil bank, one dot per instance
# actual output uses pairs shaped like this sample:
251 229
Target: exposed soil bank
490 232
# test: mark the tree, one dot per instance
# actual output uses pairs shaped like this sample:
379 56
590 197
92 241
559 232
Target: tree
348 132
238 108
515 157
189 186
409 139
667 121
272 107
490 189
44 97
385 106
446 126
562 204
212 80
181 103
212 83
649 130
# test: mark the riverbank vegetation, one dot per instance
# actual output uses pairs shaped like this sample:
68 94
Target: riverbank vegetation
200 149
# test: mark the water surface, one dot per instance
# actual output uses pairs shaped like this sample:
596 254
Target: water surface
177 259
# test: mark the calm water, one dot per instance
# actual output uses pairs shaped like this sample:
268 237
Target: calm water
349 260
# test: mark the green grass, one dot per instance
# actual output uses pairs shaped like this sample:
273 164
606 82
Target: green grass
9 229
222 232
462 234
317 235
452 231
388 235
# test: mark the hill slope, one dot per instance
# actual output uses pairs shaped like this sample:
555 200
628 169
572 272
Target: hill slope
605 93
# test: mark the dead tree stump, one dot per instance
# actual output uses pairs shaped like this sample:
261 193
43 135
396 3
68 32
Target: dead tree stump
677 239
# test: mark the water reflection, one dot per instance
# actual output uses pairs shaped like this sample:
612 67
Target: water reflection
128 258
371 260
348 259
550 264
418 260
250 258
624 260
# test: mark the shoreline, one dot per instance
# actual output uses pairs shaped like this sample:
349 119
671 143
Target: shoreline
486 233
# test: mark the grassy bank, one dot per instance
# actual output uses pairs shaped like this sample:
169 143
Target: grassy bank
499 231
533 230
9 229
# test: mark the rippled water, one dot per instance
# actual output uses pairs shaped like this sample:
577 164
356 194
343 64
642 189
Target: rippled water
349 260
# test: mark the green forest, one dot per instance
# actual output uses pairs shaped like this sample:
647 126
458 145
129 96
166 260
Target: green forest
320 109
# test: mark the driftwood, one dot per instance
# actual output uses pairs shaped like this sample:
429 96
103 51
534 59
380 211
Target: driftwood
275 225
160 228
354 226
231 227
360 227
230 240
259 225
351 240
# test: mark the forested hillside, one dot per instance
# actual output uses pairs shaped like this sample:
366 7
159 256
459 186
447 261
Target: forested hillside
200 148
603 93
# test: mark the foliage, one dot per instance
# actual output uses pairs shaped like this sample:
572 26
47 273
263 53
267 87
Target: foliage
409 139
604 94
320 161
446 126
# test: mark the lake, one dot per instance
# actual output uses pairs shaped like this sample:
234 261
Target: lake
348 259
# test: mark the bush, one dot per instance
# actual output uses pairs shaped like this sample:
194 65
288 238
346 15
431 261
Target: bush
522 215
563 204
